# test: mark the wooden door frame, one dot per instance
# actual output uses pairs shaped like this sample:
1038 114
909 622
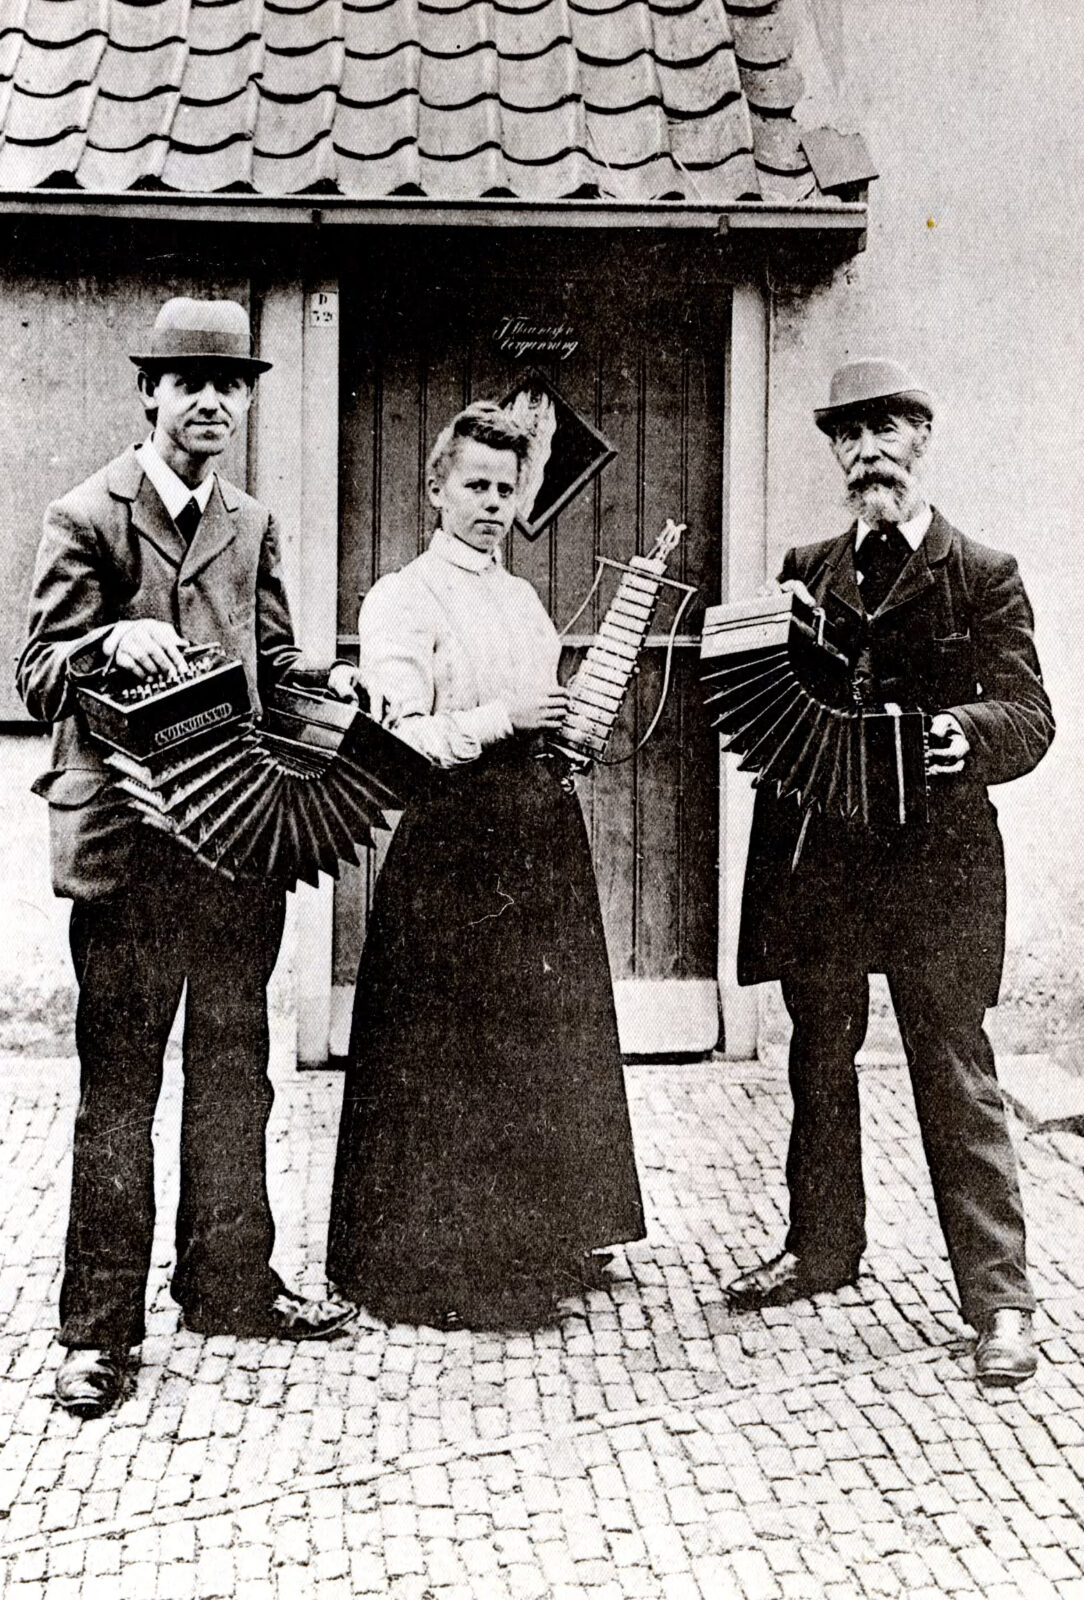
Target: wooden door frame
745 556
295 469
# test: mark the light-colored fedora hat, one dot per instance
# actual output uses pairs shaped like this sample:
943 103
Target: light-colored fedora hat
201 330
858 385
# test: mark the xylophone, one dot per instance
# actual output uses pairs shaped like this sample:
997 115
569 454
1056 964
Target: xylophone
602 680
780 686
287 798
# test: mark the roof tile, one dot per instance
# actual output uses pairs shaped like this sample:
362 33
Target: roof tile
366 132
209 171
215 25
50 70
207 128
700 143
136 25
621 87
64 22
283 129
695 90
375 83
296 78
534 31
773 88
538 141
135 75
777 144
689 34
764 40
548 81
628 139
617 35
457 85
378 28
34 121
125 125
25 166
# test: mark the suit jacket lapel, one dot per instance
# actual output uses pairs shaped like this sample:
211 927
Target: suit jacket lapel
216 532
840 579
916 575
149 517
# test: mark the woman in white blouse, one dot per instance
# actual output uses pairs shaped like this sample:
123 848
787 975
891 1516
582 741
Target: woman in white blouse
485 1149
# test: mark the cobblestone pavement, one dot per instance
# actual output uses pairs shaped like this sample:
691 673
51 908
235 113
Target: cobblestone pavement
648 1444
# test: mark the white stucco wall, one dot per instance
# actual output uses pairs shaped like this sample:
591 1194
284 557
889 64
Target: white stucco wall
972 276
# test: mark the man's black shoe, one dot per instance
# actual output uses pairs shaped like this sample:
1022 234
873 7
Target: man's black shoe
289 1316
783 1279
89 1382
1005 1354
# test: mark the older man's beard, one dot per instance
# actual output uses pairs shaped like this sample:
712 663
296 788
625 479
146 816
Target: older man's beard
885 493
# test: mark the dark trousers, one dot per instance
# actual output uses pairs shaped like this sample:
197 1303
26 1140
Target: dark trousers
960 1114
177 923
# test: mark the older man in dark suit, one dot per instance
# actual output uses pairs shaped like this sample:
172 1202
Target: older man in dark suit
938 621
155 551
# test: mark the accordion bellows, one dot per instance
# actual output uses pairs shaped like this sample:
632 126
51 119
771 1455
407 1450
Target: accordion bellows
285 799
779 687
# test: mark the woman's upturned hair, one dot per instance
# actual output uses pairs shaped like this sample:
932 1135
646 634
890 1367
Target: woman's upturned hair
484 421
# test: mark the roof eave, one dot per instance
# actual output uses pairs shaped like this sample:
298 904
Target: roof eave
847 220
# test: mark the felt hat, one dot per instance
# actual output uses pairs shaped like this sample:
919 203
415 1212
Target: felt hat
216 331
873 382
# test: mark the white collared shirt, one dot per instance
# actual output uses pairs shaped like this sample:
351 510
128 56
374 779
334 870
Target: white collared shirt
448 643
914 530
173 492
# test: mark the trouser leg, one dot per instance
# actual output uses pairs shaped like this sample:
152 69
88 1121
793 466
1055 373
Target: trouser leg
128 995
225 1232
829 1010
965 1135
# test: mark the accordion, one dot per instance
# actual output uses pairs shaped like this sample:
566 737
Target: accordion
779 685
285 799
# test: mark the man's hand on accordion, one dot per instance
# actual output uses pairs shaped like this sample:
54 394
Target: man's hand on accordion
947 746
146 647
344 681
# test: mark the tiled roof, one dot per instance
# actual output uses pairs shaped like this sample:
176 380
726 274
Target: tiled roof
635 100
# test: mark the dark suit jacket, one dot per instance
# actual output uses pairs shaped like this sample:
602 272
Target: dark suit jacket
110 551
954 634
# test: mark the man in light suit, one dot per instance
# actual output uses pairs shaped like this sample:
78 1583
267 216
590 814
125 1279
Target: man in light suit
154 551
937 621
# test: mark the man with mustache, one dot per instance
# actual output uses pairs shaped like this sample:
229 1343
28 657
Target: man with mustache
937 621
155 551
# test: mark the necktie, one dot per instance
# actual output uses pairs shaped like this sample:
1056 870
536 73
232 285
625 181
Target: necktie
187 519
878 563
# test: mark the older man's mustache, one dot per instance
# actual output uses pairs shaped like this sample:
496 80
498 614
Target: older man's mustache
887 476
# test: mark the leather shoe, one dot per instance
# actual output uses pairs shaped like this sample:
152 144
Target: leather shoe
90 1381
782 1279
1005 1354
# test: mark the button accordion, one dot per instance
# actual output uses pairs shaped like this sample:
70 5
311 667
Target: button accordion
285 799
598 690
780 687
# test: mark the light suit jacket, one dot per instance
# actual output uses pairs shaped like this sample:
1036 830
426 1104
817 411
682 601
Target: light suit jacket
109 552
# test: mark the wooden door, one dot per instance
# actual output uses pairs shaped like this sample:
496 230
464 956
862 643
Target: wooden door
422 323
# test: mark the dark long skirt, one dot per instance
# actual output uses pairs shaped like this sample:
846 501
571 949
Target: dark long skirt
485 1141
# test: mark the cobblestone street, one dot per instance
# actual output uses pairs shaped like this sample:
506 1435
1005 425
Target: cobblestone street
648 1444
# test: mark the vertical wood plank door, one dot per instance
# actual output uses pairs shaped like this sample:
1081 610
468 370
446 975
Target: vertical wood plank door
422 335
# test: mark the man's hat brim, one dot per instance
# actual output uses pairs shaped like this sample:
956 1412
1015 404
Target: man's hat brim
250 366
829 417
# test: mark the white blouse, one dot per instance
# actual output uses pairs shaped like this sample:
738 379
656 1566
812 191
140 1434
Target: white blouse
448 643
